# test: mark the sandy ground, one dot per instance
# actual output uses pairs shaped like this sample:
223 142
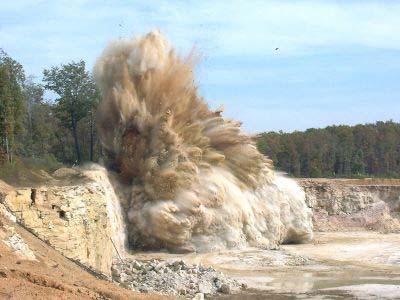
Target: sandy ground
337 265
52 276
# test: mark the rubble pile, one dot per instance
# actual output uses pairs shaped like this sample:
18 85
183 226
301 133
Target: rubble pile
171 277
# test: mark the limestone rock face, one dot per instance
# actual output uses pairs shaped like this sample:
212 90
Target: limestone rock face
16 243
341 204
73 219
6 192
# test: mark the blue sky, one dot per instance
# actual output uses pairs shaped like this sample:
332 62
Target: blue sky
338 61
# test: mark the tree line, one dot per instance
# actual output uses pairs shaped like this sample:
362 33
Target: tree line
370 150
60 130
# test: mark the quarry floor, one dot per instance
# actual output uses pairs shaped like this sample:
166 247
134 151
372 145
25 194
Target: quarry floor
336 265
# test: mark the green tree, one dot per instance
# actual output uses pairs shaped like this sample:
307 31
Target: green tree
12 105
33 94
358 165
77 96
41 124
340 151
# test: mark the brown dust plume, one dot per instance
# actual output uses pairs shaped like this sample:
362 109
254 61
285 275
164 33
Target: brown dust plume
195 180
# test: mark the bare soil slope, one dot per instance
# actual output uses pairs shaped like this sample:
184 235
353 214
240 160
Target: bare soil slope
52 276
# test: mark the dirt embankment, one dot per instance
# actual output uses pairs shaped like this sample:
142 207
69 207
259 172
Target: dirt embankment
49 275
354 204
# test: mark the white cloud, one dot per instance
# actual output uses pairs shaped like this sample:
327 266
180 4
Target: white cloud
217 28
257 27
41 33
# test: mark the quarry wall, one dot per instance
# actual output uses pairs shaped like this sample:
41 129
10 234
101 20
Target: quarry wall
352 204
72 219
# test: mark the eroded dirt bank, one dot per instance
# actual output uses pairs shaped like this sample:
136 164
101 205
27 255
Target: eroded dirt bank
48 274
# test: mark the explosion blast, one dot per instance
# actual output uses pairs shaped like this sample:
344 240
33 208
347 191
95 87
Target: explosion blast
196 181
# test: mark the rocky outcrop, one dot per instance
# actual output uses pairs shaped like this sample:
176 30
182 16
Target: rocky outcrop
73 219
341 204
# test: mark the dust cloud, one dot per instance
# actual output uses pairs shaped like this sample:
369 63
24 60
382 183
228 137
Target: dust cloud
193 180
